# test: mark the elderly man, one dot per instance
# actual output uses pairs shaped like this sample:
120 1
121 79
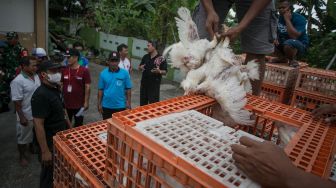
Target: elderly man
22 89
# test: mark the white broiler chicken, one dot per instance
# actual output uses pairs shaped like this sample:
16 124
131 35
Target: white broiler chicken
189 53
212 68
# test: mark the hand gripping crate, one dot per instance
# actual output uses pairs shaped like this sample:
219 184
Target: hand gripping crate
166 152
317 81
80 155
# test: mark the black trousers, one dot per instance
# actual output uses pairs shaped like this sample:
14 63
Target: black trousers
46 176
47 172
149 92
78 120
107 112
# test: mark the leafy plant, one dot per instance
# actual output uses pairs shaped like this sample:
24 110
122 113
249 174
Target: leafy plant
320 54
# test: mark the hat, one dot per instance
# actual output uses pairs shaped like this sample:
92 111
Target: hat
114 56
47 65
11 35
39 52
72 52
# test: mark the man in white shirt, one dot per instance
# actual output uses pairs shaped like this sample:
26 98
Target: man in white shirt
124 61
22 89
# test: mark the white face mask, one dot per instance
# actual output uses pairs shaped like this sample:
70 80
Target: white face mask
54 78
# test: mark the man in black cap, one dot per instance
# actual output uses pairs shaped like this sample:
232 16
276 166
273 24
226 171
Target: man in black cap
49 116
153 66
76 87
114 88
11 57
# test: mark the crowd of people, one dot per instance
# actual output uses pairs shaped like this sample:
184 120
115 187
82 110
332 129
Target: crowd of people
51 94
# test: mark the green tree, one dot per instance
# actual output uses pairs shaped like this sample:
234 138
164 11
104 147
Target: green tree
147 19
320 53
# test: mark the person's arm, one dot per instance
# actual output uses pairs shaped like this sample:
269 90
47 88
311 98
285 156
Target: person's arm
301 178
41 138
18 108
325 109
268 165
291 30
17 97
87 82
128 98
131 67
101 86
142 63
255 8
212 19
87 96
99 101
67 120
163 68
128 87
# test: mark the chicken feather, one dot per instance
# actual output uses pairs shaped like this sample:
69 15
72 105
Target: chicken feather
212 68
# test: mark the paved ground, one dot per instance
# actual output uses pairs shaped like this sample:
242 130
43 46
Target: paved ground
13 175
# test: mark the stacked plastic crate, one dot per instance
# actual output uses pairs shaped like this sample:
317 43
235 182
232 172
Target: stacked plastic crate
132 159
135 159
80 155
279 81
314 87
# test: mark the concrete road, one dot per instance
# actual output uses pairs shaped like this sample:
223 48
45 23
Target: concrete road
12 175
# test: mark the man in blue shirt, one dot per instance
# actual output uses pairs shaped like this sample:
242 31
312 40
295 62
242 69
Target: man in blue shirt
292 35
114 88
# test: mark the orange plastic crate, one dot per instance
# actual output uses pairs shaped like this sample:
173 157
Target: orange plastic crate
317 81
309 101
134 160
80 156
273 93
314 145
262 128
313 148
281 74
200 103
277 111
